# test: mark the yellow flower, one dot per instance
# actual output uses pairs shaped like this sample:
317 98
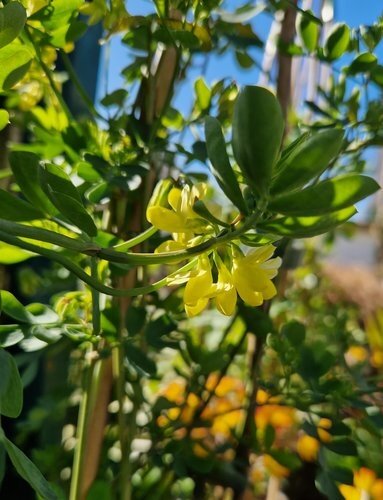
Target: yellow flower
366 485
224 291
308 448
198 288
179 217
252 275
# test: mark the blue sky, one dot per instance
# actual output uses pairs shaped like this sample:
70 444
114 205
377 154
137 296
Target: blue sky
353 12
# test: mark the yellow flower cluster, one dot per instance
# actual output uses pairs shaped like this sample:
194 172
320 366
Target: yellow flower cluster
245 275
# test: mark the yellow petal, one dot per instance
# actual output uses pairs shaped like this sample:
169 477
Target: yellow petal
349 492
246 288
165 219
226 301
196 308
260 254
364 478
174 199
169 246
198 287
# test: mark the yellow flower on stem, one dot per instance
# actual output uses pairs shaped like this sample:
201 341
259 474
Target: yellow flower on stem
198 288
252 274
180 216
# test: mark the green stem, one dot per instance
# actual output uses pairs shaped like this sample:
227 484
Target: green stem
76 492
80 89
111 255
121 247
81 437
89 280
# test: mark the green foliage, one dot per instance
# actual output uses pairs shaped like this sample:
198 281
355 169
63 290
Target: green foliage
191 403
257 135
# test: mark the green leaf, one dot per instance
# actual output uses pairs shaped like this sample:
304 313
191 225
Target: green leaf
221 168
140 360
309 160
115 98
306 227
16 209
308 31
295 332
362 63
26 169
342 446
58 181
327 486
15 60
327 196
244 60
11 387
337 41
74 212
314 361
257 135
203 94
4 118
28 471
14 309
12 20
377 75
13 255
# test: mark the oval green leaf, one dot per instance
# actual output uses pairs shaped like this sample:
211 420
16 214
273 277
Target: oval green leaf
4 118
306 227
14 309
327 196
257 135
308 31
26 168
363 63
12 20
15 60
337 41
16 209
309 160
221 168
28 471
11 388
57 180
74 212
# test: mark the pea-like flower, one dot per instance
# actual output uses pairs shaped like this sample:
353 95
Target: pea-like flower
250 278
178 216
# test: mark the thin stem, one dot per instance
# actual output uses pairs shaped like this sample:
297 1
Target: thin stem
89 280
121 247
80 89
76 488
81 437
8 228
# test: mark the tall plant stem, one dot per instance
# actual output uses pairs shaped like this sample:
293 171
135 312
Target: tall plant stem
77 488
